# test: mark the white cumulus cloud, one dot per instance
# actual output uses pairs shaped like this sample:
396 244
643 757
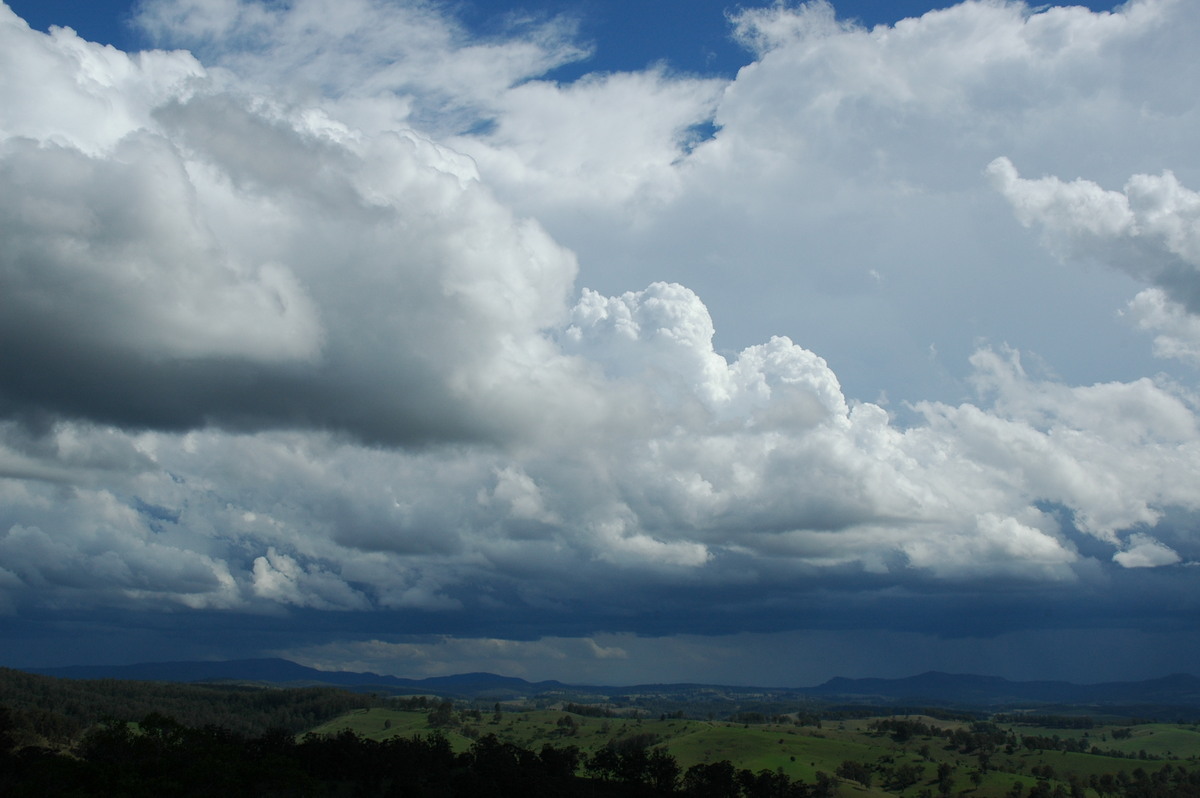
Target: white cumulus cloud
1145 552
370 317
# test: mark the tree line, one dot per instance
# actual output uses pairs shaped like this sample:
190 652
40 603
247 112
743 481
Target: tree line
160 756
55 712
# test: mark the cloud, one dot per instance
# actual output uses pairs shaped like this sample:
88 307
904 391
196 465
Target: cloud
445 655
238 262
605 140
1178 331
302 519
387 65
139 276
278 577
62 89
384 64
300 331
1145 552
1151 230
1071 445
839 150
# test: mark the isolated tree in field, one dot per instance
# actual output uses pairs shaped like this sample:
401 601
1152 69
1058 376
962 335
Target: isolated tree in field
945 778
855 771
567 725
442 715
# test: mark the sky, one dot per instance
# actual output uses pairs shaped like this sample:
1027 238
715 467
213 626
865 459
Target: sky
602 342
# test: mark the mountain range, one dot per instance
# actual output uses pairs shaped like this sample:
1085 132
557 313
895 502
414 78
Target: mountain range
931 688
285 672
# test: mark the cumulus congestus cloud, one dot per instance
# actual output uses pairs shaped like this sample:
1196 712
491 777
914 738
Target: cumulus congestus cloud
227 260
293 326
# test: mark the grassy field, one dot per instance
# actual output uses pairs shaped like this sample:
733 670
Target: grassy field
1158 739
803 751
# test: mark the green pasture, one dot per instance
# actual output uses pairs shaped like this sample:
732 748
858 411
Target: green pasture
797 751
802 751
1157 739
378 723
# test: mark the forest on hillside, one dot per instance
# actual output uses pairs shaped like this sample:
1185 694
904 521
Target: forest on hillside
52 712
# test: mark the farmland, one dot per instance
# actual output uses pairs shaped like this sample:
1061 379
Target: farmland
479 734
910 756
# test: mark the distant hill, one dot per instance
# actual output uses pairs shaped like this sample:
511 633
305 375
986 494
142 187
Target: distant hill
926 689
986 691
253 670
286 673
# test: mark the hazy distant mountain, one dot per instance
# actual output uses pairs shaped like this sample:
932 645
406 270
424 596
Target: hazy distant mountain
280 671
285 672
932 688
968 690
